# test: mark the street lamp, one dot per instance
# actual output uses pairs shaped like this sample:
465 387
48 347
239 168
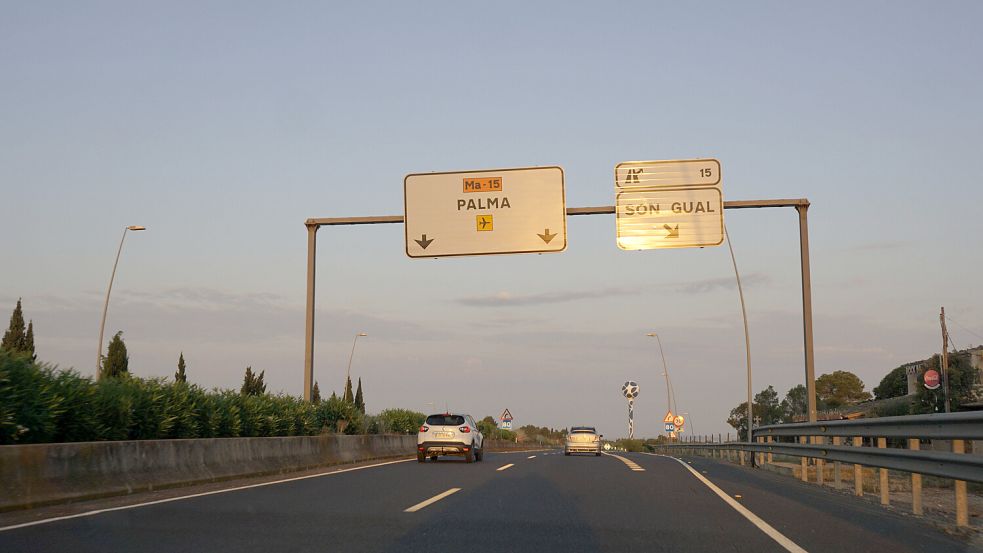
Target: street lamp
105 307
349 373
665 368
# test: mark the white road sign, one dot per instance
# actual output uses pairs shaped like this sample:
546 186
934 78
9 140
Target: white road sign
484 212
669 204
656 174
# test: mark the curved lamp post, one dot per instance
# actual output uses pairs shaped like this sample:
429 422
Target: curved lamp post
665 372
349 372
105 307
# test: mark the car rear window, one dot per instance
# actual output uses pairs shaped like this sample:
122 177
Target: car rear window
445 420
587 430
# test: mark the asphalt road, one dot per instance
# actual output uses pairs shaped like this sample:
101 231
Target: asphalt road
546 503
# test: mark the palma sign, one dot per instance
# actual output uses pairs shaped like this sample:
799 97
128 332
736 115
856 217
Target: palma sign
498 211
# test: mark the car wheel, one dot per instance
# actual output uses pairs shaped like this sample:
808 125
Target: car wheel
480 453
567 453
469 456
598 454
421 458
433 457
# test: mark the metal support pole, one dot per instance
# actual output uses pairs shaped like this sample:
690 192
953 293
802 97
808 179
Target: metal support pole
914 444
810 358
962 503
309 325
858 471
885 483
804 462
820 466
837 478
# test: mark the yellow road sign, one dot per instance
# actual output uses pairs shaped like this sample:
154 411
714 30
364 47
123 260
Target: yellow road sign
484 222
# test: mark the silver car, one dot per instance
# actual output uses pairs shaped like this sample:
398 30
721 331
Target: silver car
583 439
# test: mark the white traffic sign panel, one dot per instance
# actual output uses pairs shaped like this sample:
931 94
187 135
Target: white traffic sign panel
669 204
659 174
499 211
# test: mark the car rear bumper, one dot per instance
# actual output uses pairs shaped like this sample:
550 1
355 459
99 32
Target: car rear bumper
582 448
443 448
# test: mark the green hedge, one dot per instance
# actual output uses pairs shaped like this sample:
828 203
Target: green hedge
41 404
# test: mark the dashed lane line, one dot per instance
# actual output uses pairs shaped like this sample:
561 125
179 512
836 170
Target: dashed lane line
531 457
631 464
432 500
501 468
782 540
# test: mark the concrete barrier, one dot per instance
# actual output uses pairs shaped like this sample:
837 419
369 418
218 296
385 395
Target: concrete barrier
42 474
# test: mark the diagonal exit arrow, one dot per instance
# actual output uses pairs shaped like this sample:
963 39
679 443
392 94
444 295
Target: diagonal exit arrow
673 232
423 242
546 236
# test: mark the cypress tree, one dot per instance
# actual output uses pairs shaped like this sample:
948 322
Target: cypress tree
252 384
180 375
14 339
29 341
359 400
316 394
116 363
348 397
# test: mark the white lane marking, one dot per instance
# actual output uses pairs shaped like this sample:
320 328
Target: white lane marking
531 457
785 542
505 466
628 462
432 500
168 500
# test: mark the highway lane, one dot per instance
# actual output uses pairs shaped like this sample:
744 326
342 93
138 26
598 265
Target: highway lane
545 503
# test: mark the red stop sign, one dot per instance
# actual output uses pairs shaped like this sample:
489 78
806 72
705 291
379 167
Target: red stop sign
931 379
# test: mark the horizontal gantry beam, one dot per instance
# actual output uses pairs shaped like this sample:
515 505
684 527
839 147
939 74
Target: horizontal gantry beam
598 210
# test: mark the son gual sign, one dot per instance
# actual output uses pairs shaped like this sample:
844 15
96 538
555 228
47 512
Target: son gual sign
669 204
520 210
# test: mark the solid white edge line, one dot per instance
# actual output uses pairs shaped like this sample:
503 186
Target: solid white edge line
170 499
505 467
768 529
432 500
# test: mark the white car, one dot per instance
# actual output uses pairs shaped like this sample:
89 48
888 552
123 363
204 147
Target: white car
583 439
450 434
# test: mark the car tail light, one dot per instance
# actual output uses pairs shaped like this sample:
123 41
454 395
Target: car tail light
465 429
467 449
424 428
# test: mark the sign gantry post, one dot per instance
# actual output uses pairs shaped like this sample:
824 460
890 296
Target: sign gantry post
801 205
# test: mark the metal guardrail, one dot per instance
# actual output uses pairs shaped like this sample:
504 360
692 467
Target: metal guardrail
814 438
942 426
933 463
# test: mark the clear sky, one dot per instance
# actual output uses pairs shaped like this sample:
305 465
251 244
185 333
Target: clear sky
222 126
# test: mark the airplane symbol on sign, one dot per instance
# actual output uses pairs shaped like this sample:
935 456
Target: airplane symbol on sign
484 222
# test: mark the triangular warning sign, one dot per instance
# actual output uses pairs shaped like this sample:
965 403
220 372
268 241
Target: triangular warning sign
506 416
669 417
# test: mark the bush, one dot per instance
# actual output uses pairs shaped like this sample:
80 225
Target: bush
40 403
400 421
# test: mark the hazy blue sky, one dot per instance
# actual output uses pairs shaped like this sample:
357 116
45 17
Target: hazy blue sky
222 126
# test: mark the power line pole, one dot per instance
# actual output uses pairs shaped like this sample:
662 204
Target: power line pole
945 360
